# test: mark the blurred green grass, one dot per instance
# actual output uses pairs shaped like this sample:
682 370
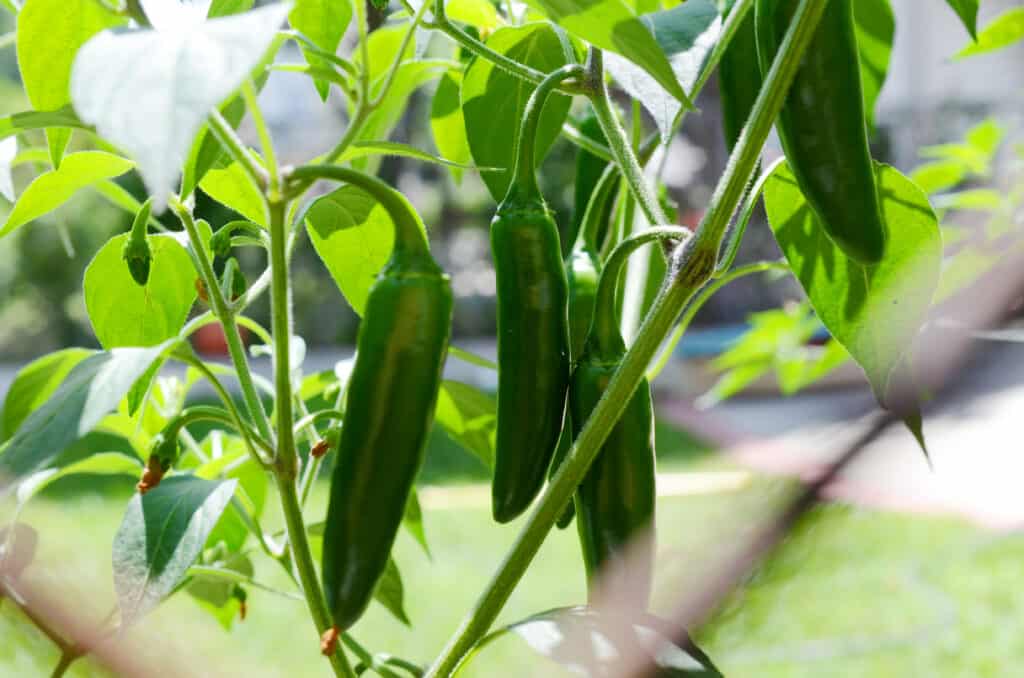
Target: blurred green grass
853 593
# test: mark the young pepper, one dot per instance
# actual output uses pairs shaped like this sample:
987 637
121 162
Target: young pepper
533 336
136 251
615 501
823 128
391 396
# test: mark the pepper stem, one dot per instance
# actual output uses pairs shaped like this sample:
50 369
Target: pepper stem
524 177
605 337
410 235
597 207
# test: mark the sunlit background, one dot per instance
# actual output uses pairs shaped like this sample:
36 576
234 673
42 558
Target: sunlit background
913 571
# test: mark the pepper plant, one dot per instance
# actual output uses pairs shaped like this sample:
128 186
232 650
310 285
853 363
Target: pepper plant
159 88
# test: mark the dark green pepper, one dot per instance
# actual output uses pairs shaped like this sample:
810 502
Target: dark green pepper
615 502
533 334
390 401
136 252
823 127
739 78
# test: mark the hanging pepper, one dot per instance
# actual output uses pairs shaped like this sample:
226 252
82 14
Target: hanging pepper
582 267
533 335
390 401
823 128
615 501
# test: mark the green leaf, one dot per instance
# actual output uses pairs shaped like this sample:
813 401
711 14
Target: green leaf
383 45
34 384
354 236
161 536
324 23
215 592
471 358
52 189
776 339
447 124
986 137
934 177
49 35
410 76
230 459
469 417
118 196
734 381
107 86
967 10
412 519
32 120
124 313
362 149
102 463
390 592
612 25
206 151
493 101
963 270
1003 31
585 642
233 188
981 199
876 28
227 7
91 390
481 14
686 34
874 311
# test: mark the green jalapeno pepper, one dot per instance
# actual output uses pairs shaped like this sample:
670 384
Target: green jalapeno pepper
823 127
391 396
615 501
533 335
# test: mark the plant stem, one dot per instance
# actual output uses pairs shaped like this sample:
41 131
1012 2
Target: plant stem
226 135
303 561
524 171
286 463
478 48
619 143
605 337
692 265
236 348
400 55
575 136
67 658
364 50
266 143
